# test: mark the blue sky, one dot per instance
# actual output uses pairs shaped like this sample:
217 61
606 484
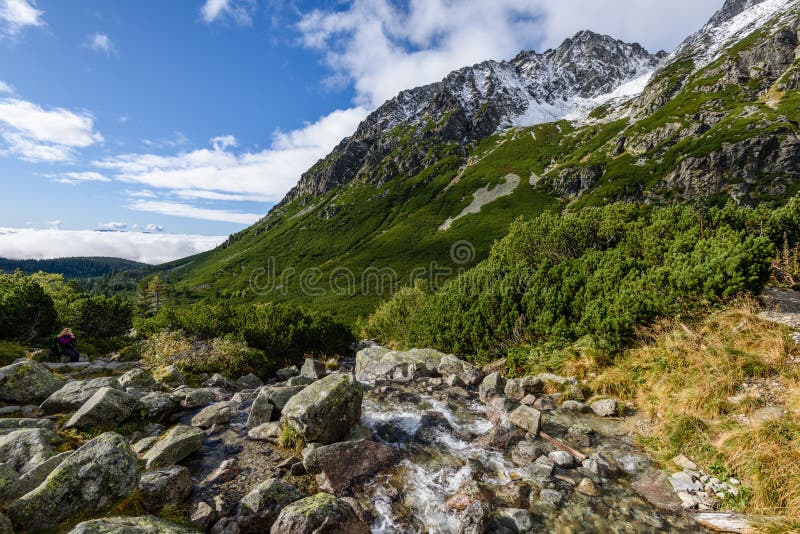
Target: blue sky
188 120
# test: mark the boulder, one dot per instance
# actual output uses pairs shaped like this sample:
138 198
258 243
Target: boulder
15 423
324 411
299 381
219 381
217 414
515 520
474 519
195 397
249 381
498 408
145 524
24 449
467 373
270 432
169 375
655 488
313 369
604 407
101 472
202 516
587 487
159 405
319 513
287 372
74 394
378 363
140 446
502 437
8 478
107 408
167 485
176 444
137 379
278 396
338 465
492 386
30 480
260 508
526 452
27 381
573 406
518 388
542 468
226 525
561 458
527 418
261 409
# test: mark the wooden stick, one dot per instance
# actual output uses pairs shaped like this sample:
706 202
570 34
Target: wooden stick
563 446
695 336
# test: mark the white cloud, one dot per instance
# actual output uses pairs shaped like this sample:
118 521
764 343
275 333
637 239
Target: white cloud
74 178
23 243
266 175
15 15
199 194
143 193
383 48
153 228
113 225
37 134
5 88
177 209
102 43
56 224
239 11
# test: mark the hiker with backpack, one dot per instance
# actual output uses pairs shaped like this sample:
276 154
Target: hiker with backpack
68 343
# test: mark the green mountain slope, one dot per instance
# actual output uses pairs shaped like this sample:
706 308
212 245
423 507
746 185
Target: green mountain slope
699 132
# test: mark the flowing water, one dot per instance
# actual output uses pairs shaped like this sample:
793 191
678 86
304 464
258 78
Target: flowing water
436 433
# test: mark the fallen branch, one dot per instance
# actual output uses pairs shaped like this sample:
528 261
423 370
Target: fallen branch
695 336
563 446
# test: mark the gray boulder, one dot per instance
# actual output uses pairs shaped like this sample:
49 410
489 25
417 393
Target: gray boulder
137 379
24 449
604 407
217 414
526 418
167 485
159 405
338 465
145 524
249 381
260 508
169 375
319 513
30 480
467 373
325 410
27 381
378 363
194 397
278 396
101 472
270 432
218 380
313 369
492 386
107 408
177 443
15 423
75 394
261 410
202 516
518 388
287 372
299 381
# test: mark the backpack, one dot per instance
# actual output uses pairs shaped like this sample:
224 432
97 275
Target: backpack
56 350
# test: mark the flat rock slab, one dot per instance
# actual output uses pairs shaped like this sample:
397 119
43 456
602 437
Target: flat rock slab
176 444
338 465
107 408
655 488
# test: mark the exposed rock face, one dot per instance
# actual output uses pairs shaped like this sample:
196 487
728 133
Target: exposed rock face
179 442
107 408
30 480
313 369
325 410
24 449
338 465
377 363
27 381
74 394
261 410
93 478
320 513
260 508
168 485
146 524
572 183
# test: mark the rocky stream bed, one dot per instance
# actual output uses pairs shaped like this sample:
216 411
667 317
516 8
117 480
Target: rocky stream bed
394 442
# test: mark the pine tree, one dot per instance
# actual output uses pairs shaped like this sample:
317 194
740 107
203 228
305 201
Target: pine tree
152 297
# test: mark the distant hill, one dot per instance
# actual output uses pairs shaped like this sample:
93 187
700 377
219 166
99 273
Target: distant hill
73 268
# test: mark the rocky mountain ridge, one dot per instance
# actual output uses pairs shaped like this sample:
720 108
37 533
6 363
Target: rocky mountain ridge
474 102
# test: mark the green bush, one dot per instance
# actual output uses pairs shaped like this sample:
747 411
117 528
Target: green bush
228 356
26 311
600 272
102 317
285 333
